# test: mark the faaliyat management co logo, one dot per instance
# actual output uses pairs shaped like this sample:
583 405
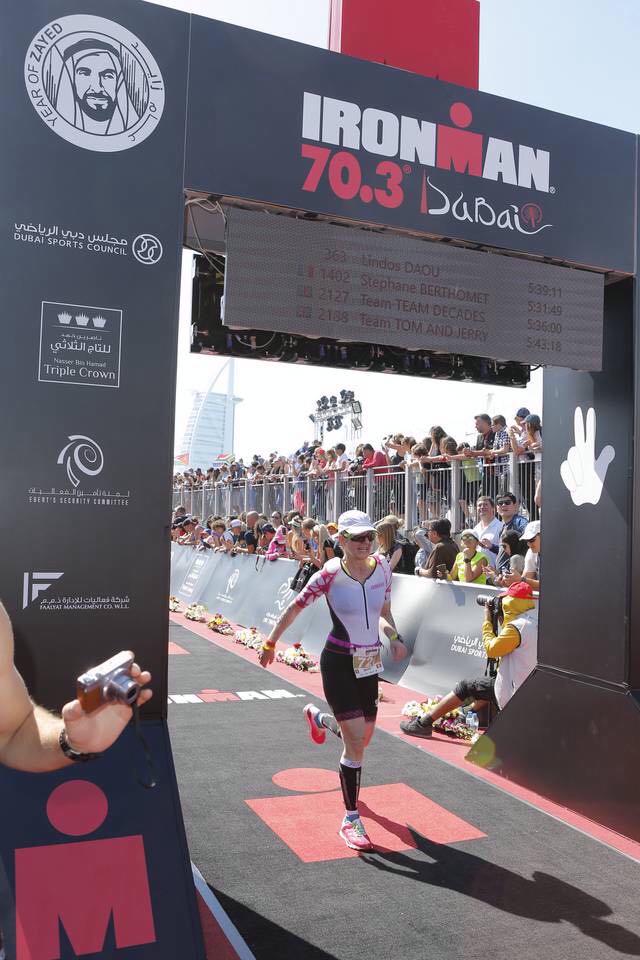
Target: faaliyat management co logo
42 581
94 83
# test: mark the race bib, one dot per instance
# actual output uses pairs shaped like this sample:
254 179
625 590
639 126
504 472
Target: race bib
367 663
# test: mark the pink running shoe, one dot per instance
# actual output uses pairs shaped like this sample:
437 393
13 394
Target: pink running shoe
317 733
354 835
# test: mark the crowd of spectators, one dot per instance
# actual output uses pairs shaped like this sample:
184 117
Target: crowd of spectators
484 469
503 548
500 544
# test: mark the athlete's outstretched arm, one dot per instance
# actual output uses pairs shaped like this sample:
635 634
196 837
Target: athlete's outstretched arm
268 650
396 646
387 617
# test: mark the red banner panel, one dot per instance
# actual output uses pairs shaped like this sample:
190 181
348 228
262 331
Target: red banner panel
436 38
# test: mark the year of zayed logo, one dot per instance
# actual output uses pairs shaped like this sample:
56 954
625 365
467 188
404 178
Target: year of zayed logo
94 83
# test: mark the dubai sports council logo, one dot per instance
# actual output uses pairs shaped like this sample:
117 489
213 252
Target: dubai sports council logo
94 83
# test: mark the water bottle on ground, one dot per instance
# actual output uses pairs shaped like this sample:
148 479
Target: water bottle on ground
472 721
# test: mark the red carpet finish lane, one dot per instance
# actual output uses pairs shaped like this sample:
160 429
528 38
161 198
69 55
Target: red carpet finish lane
444 748
459 866
307 822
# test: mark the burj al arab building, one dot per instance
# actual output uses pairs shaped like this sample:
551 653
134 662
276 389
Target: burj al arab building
209 431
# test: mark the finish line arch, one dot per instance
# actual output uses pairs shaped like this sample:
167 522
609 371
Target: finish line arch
91 288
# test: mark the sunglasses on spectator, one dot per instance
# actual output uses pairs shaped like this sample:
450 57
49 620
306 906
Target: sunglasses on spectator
360 537
469 538
505 503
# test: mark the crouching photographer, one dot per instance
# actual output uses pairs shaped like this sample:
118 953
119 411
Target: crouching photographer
510 636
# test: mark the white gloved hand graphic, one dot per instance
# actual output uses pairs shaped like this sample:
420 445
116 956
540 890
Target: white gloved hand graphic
581 473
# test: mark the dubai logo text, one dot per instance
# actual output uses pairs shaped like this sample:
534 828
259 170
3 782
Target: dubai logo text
94 83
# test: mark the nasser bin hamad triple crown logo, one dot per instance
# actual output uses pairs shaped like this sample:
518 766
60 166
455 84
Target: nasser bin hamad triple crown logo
94 83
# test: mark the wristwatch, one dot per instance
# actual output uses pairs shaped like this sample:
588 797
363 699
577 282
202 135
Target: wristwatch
72 754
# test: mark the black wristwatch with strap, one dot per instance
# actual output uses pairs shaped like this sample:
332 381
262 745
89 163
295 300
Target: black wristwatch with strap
72 754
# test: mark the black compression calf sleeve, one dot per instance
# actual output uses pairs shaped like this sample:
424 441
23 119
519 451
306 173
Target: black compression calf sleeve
350 783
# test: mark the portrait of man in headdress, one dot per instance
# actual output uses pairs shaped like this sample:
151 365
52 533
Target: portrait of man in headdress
94 93
94 83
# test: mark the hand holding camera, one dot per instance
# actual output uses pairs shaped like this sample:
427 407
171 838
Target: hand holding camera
492 609
103 708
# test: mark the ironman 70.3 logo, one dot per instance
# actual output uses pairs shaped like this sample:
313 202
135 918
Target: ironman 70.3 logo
94 83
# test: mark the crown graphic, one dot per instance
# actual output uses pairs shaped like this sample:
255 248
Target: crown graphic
99 322
82 319
64 317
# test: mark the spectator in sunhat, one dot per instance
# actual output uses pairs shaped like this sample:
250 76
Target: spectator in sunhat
470 564
277 546
531 572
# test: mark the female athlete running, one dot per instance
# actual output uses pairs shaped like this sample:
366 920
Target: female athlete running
358 592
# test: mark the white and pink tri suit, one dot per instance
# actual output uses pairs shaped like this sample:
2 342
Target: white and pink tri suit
354 607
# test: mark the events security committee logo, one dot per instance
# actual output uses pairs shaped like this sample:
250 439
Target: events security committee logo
94 83
81 455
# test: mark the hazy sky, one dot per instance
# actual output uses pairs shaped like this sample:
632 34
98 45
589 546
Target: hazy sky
578 57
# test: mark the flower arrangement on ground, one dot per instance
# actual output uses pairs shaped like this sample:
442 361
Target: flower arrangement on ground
294 656
196 611
220 624
453 723
249 638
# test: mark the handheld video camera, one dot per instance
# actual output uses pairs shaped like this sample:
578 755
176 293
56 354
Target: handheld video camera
109 682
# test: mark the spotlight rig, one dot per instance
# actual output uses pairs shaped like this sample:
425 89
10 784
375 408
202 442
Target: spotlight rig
331 412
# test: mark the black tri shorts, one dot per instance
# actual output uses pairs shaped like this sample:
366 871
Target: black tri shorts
347 695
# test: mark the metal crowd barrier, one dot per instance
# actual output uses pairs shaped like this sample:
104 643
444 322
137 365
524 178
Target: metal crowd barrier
415 495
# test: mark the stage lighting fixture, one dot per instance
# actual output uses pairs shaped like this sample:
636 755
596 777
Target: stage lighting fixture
333 401
356 406
356 423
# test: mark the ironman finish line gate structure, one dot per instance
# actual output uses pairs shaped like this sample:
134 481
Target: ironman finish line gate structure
113 120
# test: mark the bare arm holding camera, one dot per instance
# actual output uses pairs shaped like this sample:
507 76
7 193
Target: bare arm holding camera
29 734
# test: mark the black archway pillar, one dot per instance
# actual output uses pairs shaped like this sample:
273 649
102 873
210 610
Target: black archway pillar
571 731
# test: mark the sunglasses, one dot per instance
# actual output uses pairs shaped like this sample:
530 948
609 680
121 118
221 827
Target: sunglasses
469 538
505 503
360 537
